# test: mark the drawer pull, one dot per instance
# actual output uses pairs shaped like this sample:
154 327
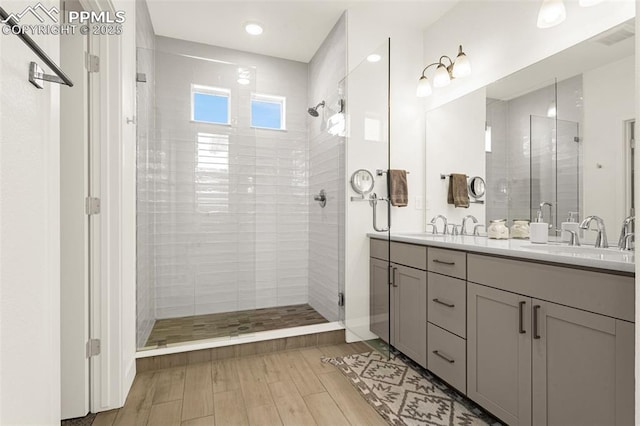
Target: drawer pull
520 319
443 262
536 308
446 358
448 305
394 277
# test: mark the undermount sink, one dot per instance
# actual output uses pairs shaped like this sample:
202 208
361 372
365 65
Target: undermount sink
612 253
422 235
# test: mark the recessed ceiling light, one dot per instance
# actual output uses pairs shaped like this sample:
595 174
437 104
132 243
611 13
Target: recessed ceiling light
253 28
374 57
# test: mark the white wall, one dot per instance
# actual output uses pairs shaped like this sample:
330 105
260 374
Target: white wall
455 144
608 103
29 236
366 33
637 195
327 69
497 46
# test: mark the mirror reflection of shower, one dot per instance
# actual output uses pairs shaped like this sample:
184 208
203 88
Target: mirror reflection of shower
313 111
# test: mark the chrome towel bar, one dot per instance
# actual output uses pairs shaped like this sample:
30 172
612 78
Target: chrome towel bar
35 73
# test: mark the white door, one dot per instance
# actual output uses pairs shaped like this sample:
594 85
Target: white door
74 236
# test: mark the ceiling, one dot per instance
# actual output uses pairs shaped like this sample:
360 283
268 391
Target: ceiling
610 46
293 29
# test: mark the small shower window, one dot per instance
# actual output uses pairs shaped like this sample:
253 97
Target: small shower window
210 104
268 111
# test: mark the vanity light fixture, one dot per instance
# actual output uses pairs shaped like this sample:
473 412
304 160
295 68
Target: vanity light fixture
552 13
461 67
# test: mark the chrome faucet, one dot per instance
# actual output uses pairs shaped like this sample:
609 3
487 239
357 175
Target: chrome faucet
444 220
627 228
626 242
601 239
463 231
476 233
540 217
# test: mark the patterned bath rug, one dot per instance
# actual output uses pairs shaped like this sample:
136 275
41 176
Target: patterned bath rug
406 394
80 421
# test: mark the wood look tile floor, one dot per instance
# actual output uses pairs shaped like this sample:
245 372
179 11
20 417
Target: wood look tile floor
198 327
280 388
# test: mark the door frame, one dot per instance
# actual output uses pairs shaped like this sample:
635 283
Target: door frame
112 230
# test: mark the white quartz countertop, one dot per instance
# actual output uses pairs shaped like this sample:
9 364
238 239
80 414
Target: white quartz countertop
554 252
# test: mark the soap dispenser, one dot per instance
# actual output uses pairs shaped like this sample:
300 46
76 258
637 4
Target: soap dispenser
539 229
571 224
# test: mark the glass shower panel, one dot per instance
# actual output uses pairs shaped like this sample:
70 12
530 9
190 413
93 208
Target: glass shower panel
554 168
197 222
543 166
567 170
367 147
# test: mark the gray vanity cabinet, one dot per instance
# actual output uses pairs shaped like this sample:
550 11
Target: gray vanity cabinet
531 361
582 367
409 310
379 298
499 352
404 281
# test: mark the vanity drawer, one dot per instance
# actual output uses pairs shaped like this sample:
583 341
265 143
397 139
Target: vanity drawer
447 262
409 255
447 357
379 249
447 303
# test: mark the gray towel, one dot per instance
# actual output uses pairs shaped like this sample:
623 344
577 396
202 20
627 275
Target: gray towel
398 189
458 190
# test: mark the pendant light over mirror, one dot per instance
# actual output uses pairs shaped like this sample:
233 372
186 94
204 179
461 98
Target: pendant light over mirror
552 13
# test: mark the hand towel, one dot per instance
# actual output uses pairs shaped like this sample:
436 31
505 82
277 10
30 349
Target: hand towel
398 189
458 190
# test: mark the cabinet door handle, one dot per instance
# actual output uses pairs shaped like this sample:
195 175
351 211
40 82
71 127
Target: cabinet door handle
394 277
448 305
521 319
536 308
446 358
443 262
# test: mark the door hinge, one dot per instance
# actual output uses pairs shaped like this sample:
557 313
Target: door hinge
341 299
576 138
93 347
92 205
92 62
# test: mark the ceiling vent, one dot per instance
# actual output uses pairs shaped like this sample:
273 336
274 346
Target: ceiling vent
616 34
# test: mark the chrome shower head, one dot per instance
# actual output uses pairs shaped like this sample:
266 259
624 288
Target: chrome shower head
314 110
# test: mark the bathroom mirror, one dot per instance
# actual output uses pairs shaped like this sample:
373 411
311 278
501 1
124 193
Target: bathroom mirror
362 181
476 187
560 131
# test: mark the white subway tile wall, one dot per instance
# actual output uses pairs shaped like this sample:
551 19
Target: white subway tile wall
526 165
145 240
326 171
227 219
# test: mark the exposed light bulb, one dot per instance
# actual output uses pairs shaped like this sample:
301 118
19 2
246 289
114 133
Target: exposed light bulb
552 13
441 77
253 28
424 87
461 66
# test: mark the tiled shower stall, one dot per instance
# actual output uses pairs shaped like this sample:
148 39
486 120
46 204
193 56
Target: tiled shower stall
226 217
